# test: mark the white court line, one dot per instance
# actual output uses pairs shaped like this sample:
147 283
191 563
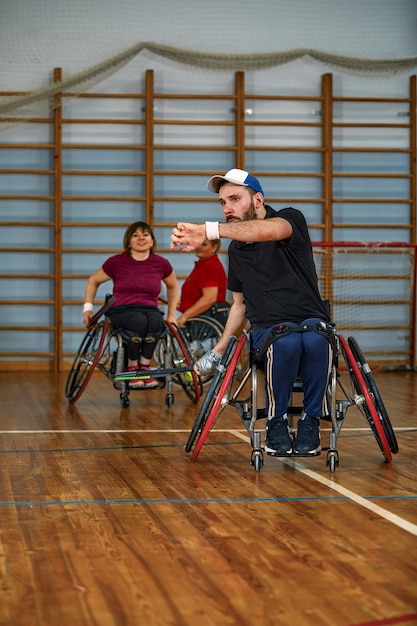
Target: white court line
391 517
44 431
351 495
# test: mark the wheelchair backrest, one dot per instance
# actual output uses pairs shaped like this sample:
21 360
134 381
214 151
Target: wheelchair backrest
219 311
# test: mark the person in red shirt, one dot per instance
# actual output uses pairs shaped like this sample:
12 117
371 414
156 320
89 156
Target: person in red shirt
205 285
137 274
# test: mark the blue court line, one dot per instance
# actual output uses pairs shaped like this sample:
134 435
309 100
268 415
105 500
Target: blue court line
201 500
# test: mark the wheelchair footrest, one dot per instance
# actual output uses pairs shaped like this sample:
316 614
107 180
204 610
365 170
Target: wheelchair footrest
151 373
294 455
305 455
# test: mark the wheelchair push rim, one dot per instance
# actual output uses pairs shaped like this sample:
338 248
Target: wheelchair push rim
363 399
86 359
375 394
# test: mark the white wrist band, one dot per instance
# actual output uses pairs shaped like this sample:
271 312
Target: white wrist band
212 230
88 306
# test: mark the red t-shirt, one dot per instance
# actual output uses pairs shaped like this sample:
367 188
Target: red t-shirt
137 282
206 273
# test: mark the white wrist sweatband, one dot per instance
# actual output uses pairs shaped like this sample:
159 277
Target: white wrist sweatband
88 306
212 230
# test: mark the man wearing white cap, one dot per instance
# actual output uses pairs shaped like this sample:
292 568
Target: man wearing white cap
273 280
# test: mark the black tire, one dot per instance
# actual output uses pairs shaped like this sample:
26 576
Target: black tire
332 459
257 462
222 393
86 359
201 334
124 400
364 401
180 356
215 383
224 371
376 396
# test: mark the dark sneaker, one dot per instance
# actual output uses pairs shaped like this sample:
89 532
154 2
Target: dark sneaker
278 441
307 440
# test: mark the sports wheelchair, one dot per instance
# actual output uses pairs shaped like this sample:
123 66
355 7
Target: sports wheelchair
103 347
361 392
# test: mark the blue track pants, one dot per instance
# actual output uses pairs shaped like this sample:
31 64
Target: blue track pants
307 355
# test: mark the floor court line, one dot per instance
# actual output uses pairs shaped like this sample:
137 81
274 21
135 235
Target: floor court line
395 519
347 493
45 431
176 500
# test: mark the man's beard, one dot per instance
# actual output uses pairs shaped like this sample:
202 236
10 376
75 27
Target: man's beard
249 214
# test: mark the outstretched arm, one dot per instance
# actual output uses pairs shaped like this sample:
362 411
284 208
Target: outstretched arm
192 235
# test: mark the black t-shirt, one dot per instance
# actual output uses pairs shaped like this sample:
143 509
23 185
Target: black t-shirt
278 279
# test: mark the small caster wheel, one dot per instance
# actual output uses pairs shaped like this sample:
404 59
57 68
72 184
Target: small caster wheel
257 462
169 399
124 401
332 461
257 457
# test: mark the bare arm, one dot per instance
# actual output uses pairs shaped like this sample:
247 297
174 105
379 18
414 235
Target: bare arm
91 287
192 235
235 322
171 284
208 298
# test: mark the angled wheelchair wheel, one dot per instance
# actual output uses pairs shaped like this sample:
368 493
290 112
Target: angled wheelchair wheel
202 333
180 356
362 398
86 359
221 397
216 398
210 396
374 392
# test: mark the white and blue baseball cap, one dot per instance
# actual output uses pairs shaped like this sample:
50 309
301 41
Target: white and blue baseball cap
237 177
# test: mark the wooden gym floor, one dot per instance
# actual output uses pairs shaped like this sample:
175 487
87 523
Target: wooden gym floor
104 521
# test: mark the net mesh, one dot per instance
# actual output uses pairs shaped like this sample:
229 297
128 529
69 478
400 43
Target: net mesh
372 296
91 40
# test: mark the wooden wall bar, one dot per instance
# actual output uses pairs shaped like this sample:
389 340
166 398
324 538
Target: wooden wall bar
241 127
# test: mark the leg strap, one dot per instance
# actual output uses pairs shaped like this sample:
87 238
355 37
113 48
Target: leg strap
129 335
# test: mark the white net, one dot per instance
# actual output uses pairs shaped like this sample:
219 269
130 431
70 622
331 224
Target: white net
372 293
93 39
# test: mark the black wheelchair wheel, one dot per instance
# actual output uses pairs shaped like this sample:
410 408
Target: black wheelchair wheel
363 399
375 394
180 356
201 334
85 360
